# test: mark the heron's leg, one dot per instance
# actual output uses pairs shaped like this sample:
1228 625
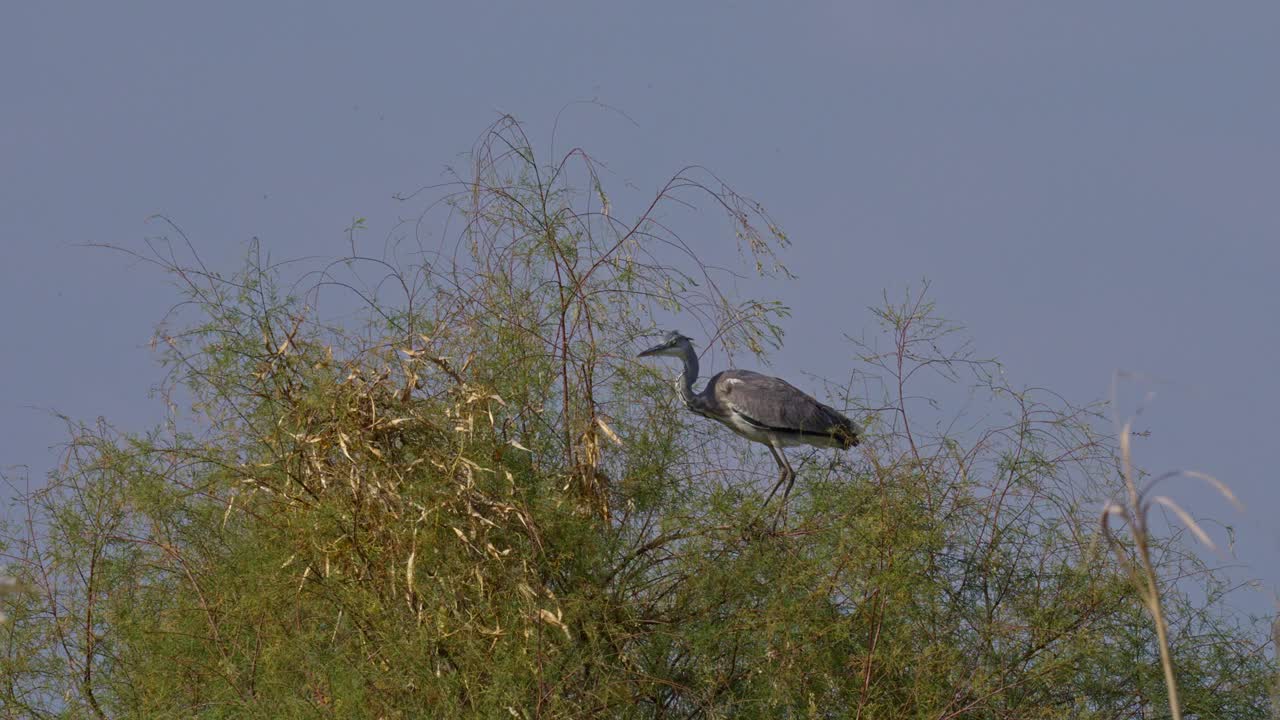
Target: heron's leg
790 475
783 470
791 479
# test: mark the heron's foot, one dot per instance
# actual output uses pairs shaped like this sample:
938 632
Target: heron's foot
780 518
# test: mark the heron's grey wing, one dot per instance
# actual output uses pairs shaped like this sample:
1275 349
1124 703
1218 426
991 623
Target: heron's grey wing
774 404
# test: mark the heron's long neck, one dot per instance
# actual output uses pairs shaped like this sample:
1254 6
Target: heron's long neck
685 383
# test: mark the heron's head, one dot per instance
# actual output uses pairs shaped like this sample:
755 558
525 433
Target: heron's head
673 345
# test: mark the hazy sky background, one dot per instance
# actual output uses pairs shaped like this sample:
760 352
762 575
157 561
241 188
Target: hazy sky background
1089 186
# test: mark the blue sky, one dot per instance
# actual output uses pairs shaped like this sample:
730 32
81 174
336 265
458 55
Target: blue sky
1089 186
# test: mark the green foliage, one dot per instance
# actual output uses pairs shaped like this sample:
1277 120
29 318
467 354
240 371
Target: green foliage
477 504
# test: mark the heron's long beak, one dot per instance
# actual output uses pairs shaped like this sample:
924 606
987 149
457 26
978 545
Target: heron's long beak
653 350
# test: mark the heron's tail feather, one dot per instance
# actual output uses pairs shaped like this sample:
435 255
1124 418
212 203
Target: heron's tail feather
845 431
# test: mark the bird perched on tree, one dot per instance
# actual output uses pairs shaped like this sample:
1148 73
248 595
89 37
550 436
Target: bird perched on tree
758 407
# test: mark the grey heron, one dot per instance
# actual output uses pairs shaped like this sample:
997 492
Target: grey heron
765 409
